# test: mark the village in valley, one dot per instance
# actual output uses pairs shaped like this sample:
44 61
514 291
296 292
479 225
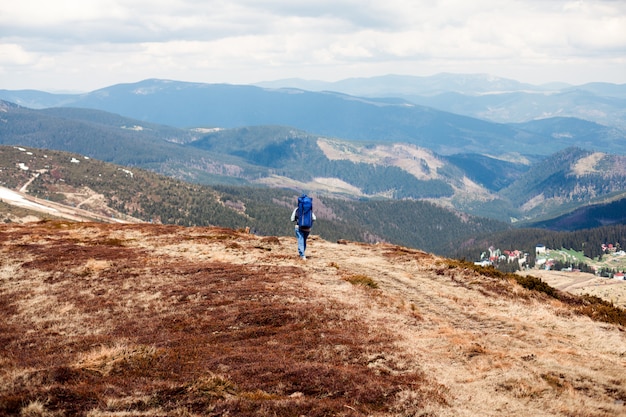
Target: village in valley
612 264
567 270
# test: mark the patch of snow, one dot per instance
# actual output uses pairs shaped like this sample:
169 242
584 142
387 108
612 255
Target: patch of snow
11 197
144 91
127 171
207 129
75 161
494 92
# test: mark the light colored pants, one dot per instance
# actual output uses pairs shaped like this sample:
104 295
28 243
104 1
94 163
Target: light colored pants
302 237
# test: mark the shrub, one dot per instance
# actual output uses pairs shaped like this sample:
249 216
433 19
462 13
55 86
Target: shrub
534 284
363 280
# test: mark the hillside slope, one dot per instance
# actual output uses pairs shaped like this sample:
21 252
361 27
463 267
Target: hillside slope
565 181
153 320
113 191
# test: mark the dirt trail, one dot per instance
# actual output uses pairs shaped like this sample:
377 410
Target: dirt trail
33 178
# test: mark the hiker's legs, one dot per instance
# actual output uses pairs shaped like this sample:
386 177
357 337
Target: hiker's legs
302 236
305 236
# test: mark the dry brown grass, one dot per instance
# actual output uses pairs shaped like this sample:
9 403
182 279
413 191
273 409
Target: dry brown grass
143 320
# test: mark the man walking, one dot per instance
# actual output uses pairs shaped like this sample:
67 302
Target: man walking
304 217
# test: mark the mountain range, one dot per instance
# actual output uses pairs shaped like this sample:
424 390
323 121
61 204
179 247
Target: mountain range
331 143
387 117
486 97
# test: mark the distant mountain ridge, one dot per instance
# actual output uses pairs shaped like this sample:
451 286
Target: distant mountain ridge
395 84
486 96
330 114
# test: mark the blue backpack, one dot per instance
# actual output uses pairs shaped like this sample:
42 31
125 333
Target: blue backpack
305 212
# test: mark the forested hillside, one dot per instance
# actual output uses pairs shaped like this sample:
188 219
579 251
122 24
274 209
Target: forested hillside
251 155
565 181
505 188
295 154
74 179
495 174
88 133
154 198
588 217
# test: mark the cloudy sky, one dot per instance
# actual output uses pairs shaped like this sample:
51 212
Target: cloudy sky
83 45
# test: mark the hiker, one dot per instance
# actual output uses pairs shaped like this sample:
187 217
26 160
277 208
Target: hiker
304 217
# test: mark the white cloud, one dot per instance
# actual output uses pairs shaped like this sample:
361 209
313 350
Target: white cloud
74 44
11 53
